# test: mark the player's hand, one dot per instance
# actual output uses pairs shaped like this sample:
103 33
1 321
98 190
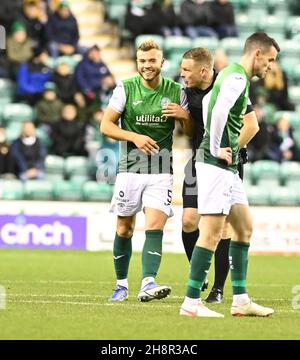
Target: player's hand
175 111
145 144
226 154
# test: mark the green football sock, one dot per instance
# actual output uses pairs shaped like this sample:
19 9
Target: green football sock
122 253
200 264
152 251
238 258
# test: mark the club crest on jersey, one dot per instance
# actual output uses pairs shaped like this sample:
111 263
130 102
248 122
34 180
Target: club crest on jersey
165 102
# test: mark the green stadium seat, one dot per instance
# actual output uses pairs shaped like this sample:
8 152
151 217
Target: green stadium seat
67 190
290 48
157 38
206 42
7 88
171 68
294 94
77 165
54 167
17 112
233 46
13 131
38 190
269 111
265 169
248 173
44 137
289 171
293 26
177 44
295 74
258 195
93 191
11 189
285 196
246 24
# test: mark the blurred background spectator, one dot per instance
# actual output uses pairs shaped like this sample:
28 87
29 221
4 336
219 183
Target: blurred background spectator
29 154
7 165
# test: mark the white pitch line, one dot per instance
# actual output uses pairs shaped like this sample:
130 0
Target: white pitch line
17 295
123 305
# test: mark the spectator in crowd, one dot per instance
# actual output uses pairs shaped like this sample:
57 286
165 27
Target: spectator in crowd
62 31
29 154
7 165
19 46
9 12
49 108
165 19
34 18
283 145
276 85
138 19
93 76
220 59
196 18
64 79
68 133
259 146
32 77
93 137
223 18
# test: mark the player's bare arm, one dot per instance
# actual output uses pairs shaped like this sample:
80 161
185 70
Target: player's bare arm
249 129
178 113
110 128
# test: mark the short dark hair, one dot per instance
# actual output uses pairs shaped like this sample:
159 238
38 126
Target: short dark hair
261 40
200 55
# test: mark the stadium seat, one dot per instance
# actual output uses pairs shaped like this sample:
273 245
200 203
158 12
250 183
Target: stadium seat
233 46
67 190
54 167
157 38
289 49
289 171
7 88
207 42
93 191
171 68
293 26
177 44
44 138
17 112
258 195
38 190
13 131
246 24
295 74
294 94
265 169
77 165
274 26
11 189
285 196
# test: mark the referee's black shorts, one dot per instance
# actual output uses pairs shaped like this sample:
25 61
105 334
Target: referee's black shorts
190 188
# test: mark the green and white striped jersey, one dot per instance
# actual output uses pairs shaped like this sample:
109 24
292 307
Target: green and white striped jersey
223 110
141 112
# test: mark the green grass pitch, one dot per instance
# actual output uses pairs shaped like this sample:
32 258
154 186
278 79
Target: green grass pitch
63 295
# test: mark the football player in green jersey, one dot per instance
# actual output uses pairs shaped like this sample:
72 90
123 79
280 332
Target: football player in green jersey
146 105
220 190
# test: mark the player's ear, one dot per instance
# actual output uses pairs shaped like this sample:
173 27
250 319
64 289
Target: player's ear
162 61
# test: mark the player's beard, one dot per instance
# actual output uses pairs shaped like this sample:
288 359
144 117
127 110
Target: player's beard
153 74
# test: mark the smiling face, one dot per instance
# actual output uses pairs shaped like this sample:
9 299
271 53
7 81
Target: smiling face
149 64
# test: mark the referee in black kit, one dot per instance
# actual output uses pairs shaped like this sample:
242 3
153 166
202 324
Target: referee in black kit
198 74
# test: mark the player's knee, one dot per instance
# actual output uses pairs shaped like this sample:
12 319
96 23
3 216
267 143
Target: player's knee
125 231
189 224
245 232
